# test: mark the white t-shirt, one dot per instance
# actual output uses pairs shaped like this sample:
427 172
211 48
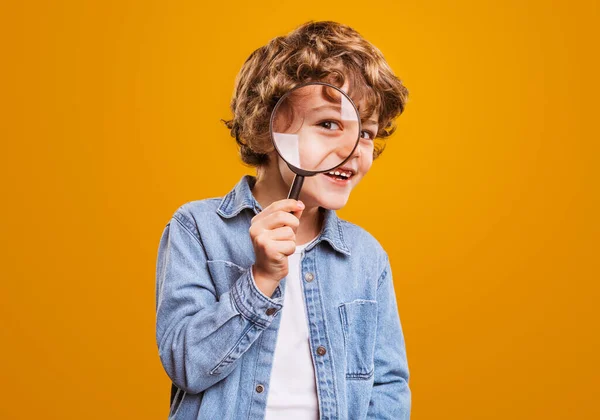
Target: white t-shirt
292 388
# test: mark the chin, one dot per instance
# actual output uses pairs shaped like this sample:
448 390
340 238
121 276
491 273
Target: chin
315 195
333 203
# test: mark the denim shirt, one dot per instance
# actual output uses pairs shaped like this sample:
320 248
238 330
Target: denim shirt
216 331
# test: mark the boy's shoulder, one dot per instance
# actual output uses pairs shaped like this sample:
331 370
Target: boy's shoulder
201 206
193 212
365 248
357 237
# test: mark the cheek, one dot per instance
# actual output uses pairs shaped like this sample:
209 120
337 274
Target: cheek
366 158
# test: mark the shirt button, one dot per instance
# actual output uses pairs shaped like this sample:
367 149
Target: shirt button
260 388
321 351
309 277
270 311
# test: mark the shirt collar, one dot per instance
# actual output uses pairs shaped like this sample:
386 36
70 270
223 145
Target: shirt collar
241 197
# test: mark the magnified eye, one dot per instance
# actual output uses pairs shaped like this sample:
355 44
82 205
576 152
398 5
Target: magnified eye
329 125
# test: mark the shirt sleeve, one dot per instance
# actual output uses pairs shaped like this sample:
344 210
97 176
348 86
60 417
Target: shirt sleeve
391 395
200 336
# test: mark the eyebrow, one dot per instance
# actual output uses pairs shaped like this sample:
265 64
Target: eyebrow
372 122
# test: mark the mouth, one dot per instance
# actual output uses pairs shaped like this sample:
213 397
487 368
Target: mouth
340 176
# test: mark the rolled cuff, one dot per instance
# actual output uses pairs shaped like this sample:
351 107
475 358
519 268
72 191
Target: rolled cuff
253 304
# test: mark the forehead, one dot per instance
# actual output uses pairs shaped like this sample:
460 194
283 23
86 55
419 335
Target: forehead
316 97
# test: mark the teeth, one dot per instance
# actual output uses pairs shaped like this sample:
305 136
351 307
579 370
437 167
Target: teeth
340 173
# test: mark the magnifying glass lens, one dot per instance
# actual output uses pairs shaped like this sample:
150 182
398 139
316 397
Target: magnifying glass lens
315 127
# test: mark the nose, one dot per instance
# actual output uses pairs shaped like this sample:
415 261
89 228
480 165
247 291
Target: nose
346 151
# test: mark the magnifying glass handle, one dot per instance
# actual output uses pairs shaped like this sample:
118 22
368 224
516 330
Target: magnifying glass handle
296 187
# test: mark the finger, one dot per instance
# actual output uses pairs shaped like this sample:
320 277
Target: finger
284 233
286 205
281 218
286 248
268 211
297 214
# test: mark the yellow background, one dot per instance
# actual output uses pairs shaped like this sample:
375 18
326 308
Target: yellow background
486 199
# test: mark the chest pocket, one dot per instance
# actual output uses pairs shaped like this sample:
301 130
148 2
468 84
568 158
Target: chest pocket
359 325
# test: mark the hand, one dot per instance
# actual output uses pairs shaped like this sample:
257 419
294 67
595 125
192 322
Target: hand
273 233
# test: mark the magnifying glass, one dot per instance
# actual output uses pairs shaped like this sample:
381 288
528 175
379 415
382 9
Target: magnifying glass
315 128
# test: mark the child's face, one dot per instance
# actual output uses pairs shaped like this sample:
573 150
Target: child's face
321 189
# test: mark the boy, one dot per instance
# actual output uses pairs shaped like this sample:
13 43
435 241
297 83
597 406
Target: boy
275 308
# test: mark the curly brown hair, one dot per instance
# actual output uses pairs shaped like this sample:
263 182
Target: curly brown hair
316 51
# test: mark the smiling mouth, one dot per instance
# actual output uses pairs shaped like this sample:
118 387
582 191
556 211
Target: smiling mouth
340 175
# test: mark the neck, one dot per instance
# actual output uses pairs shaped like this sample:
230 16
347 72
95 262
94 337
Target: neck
271 187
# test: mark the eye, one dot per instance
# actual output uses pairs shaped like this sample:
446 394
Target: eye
368 135
329 125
